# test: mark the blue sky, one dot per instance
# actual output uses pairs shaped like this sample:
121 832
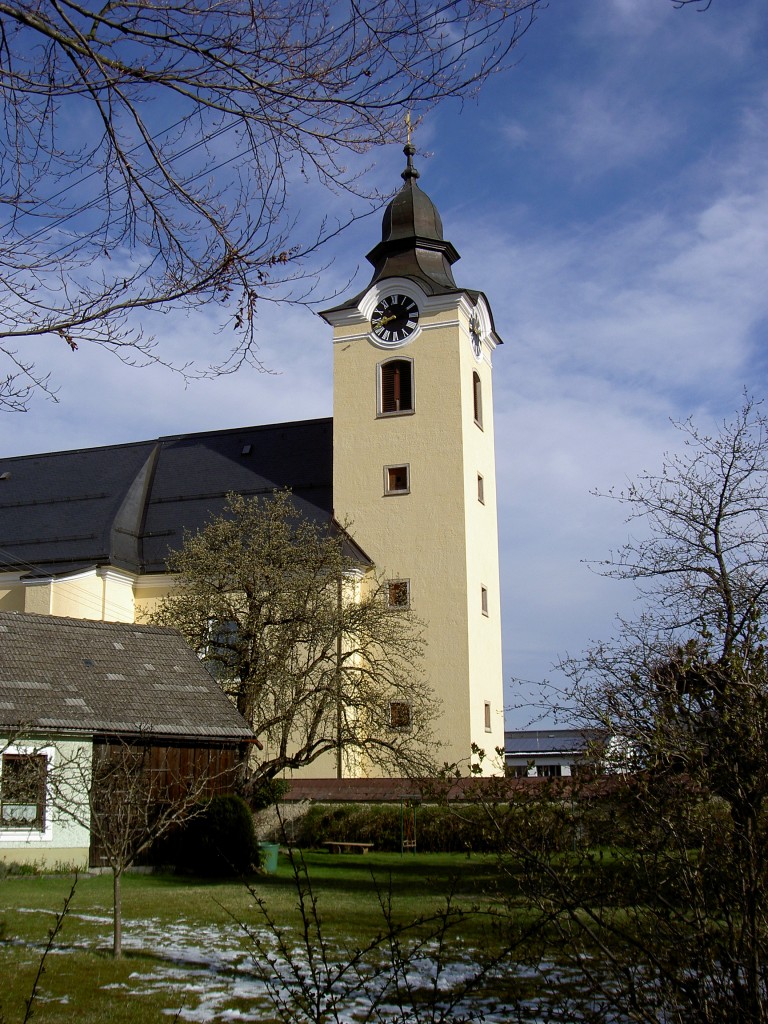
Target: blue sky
609 194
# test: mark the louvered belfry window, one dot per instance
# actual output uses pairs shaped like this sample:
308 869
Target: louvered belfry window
397 386
477 399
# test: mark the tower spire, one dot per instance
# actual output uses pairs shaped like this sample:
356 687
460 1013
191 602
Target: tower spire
410 172
412 243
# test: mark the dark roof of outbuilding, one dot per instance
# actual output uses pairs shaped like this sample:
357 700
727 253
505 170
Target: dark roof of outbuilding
81 677
521 742
128 505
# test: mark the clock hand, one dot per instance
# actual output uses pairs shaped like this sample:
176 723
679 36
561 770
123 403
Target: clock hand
384 320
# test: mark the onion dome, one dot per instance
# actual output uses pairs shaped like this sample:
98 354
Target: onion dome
412 243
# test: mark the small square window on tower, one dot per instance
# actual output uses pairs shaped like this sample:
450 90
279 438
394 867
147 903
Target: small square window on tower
396 480
399 715
399 594
484 599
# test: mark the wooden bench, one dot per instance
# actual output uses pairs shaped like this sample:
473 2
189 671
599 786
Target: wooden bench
337 846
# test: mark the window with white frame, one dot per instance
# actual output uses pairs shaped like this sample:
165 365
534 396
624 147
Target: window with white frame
397 479
477 398
23 786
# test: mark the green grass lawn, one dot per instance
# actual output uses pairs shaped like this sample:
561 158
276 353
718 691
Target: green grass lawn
82 983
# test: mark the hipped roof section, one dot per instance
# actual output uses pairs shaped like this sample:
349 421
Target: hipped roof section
127 506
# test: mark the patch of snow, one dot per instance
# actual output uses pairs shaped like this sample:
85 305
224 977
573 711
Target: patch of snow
210 973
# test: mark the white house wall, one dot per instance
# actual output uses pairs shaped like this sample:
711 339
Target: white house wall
61 842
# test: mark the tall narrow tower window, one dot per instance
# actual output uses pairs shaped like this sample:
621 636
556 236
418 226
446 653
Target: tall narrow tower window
477 398
396 386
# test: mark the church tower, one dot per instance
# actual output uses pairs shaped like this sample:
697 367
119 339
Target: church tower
414 465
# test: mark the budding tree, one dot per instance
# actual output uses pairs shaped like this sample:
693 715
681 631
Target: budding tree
147 149
319 655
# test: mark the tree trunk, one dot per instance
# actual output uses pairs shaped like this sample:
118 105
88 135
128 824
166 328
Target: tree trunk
117 935
748 946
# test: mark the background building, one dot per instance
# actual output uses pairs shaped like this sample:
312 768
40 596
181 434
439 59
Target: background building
547 752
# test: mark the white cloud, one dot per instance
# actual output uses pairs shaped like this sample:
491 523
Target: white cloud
514 133
599 130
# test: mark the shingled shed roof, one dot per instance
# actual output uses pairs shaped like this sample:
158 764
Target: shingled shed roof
81 677
128 505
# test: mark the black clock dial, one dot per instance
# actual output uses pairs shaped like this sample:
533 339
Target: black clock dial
395 318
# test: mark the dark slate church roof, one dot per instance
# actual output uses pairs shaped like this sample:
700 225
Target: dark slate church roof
127 505
80 677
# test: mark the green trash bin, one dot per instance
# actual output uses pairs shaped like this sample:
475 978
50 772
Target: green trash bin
269 852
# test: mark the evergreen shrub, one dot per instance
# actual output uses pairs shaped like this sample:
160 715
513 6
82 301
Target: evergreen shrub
220 842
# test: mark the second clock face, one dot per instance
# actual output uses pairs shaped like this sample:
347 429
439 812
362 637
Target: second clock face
395 319
475 337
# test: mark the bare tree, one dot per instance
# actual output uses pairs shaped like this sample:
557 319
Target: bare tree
316 654
126 804
147 150
659 895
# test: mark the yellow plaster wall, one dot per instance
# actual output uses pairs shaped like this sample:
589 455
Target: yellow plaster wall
118 601
38 598
482 547
11 598
148 593
102 594
81 598
50 857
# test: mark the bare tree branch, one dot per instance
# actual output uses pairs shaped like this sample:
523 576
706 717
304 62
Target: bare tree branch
125 803
147 150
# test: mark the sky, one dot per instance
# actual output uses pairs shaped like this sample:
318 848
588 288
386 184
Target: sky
609 194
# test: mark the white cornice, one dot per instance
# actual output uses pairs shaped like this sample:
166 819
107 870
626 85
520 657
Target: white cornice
107 572
157 581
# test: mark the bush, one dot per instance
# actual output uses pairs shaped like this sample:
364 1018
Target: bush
218 843
439 829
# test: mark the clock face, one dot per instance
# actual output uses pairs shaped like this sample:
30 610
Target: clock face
395 319
475 337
